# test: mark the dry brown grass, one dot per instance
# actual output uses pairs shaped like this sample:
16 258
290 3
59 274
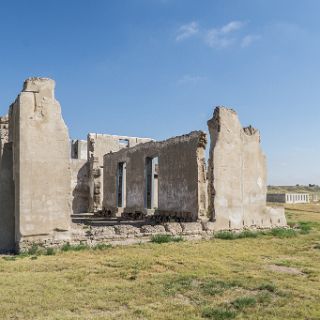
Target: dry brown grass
216 279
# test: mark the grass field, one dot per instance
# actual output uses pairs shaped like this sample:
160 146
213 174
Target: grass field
273 276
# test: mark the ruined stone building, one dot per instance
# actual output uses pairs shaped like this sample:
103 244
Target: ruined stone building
123 187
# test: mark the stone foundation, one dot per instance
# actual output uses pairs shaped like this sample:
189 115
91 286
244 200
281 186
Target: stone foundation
126 234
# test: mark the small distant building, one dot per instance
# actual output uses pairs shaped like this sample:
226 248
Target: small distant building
288 197
314 197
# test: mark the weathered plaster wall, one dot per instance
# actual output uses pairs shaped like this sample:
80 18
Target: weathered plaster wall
98 146
7 219
41 152
179 175
254 178
237 175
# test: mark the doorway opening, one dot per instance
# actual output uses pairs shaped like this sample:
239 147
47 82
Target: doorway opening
121 184
151 189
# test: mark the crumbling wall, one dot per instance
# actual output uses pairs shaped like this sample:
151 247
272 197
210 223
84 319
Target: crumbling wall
98 146
237 175
181 169
41 163
254 179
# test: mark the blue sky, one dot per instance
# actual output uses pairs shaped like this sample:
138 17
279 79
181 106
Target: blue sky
156 68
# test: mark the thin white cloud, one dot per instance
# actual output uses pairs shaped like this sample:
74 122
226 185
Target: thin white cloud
217 38
214 39
249 39
187 30
222 37
190 79
232 26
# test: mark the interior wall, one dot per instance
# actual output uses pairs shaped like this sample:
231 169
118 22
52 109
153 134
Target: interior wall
178 175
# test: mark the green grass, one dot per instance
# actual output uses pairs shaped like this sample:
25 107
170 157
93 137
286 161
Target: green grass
102 246
213 279
80 247
304 228
244 302
229 235
218 313
35 250
50 252
283 233
165 238
265 298
214 287
176 284
226 235
268 287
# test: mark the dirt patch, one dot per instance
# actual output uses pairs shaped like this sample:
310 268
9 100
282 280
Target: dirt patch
181 299
284 269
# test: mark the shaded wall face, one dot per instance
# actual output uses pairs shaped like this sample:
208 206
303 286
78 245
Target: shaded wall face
177 175
135 179
7 225
237 173
41 162
79 185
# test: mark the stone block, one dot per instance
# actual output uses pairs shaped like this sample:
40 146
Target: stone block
173 227
191 227
126 230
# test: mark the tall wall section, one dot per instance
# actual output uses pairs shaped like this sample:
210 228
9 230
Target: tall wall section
41 163
237 175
